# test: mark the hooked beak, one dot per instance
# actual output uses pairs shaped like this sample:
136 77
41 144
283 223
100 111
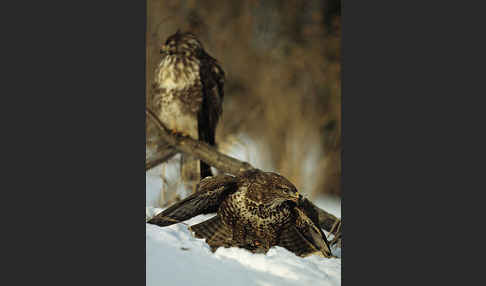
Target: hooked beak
298 197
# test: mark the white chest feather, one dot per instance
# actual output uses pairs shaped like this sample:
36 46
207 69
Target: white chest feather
176 80
174 117
172 74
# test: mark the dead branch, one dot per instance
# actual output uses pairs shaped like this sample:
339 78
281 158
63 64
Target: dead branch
200 150
227 164
160 157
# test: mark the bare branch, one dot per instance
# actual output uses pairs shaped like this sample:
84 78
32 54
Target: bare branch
200 150
227 164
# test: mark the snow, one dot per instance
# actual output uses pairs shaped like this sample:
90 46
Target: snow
175 257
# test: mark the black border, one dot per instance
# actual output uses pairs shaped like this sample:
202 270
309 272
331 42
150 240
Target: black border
75 187
75 136
409 117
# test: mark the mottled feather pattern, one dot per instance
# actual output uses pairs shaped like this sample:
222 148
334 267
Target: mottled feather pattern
255 210
206 199
215 232
294 241
188 95
177 79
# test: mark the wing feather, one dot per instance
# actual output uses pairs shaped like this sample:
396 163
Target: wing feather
312 233
209 194
303 237
212 79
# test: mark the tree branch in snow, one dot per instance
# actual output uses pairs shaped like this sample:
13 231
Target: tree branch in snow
227 164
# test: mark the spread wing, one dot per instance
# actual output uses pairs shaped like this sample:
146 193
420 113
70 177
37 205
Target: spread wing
304 237
318 216
210 192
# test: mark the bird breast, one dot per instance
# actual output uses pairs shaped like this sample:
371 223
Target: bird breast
242 210
178 95
177 72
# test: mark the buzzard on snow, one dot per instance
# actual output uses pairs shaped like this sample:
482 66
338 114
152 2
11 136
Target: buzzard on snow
255 210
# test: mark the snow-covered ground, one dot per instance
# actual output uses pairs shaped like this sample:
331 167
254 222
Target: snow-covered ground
175 257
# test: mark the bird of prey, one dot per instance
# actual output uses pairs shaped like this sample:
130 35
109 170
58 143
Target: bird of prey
254 210
188 95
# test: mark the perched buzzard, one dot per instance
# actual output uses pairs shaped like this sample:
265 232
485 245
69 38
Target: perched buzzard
187 96
255 210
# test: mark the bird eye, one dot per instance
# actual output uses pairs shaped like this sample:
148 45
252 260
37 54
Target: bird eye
284 188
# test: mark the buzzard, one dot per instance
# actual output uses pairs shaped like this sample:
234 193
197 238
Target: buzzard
255 210
187 96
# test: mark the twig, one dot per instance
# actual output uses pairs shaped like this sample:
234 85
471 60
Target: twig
333 228
337 236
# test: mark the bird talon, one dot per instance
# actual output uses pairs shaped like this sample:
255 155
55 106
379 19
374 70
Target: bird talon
179 133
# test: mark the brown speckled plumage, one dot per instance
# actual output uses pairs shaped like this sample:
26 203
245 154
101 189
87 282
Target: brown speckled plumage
255 210
188 91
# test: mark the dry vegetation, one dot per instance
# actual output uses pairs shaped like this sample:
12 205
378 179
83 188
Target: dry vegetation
283 78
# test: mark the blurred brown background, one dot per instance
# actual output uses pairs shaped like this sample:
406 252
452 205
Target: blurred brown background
283 79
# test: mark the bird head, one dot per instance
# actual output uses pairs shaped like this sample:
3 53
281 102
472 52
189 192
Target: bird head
181 43
269 188
283 189
288 193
